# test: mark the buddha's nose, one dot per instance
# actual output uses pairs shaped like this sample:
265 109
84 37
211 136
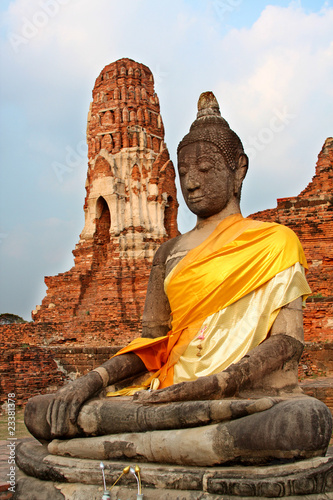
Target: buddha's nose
192 183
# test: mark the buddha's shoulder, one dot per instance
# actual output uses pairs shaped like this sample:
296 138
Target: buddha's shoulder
274 228
166 249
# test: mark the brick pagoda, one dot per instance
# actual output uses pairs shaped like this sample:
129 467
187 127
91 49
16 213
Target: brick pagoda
130 209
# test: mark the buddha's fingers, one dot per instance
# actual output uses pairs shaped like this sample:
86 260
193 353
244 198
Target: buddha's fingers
167 395
60 418
59 410
204 388
74 410
49 413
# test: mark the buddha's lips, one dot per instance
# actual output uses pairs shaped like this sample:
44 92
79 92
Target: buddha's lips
195 198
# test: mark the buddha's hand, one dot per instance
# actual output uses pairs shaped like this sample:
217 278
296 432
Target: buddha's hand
63 411
211 387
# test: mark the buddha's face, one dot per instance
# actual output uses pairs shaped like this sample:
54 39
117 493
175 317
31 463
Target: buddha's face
207 183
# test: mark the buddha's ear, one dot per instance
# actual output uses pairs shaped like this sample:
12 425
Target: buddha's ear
241 169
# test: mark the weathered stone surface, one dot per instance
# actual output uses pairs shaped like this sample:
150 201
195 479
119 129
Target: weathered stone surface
30 488
101 417
88 492
283 428
306 479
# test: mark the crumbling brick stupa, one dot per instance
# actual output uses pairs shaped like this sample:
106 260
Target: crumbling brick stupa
130 209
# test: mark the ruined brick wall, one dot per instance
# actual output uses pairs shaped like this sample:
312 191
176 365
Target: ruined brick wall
310 215
130 209
107 309
34 361
317 360
26 367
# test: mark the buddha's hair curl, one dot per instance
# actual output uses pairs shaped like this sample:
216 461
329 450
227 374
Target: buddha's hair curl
209 126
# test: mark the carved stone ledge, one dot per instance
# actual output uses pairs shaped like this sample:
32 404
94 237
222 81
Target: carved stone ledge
70 478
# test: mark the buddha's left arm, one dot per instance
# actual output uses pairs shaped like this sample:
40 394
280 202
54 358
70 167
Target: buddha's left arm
289 321
284 345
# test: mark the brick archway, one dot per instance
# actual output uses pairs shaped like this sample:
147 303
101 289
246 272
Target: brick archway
103 222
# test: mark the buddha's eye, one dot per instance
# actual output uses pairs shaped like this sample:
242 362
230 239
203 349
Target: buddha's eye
205 166
182 171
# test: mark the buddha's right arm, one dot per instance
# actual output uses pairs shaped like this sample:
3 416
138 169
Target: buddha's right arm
67 402
156 314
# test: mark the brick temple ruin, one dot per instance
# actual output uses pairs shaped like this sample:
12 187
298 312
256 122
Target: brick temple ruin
310 215
130 209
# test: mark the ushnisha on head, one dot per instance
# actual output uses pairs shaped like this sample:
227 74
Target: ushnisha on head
211 162
209 126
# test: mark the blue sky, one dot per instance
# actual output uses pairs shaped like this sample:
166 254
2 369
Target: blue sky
270 64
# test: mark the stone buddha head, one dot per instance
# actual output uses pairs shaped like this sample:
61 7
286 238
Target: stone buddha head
211 161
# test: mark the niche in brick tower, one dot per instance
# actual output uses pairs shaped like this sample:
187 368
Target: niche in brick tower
102 232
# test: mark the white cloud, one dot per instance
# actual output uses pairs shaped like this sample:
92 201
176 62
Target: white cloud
284 62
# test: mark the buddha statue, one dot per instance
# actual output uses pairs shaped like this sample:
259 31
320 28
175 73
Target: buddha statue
213 379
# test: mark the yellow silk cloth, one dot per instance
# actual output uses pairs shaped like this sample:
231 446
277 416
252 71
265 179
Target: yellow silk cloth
238 257
224 268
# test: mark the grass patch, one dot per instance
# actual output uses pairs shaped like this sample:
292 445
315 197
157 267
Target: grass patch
20 429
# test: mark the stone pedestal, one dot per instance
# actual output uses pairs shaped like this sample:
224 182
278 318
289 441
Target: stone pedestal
53 477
